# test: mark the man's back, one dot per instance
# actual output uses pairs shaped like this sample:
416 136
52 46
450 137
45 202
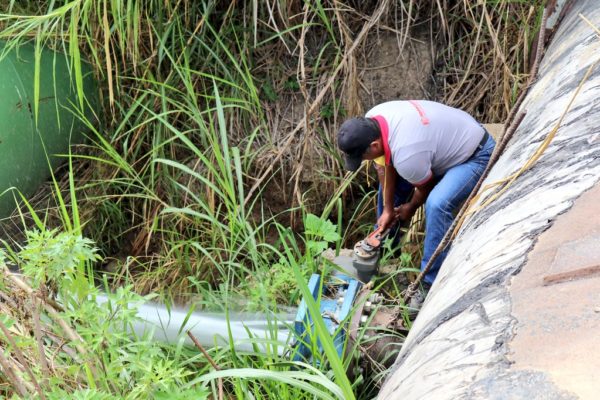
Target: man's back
425 136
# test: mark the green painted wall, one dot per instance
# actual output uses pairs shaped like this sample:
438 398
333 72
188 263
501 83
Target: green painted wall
23 161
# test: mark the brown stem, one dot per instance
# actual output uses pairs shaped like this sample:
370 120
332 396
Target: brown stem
210 360
15 380
21 359
37 331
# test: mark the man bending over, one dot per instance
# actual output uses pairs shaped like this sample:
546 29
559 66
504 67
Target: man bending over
432 154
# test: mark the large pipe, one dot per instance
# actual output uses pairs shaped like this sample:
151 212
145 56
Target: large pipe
28 145
268 333
462 344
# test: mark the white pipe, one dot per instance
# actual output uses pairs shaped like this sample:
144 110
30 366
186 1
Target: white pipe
269 333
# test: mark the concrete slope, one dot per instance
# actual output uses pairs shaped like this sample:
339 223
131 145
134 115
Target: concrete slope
468 341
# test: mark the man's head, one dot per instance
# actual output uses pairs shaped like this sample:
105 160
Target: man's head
359 139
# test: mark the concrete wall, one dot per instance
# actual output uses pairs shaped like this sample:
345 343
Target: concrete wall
457 348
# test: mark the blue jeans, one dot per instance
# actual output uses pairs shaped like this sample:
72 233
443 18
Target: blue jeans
449 193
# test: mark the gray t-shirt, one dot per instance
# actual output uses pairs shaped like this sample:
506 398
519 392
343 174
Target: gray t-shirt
425 137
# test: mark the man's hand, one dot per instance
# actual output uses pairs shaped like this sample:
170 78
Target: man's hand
404 212
385 220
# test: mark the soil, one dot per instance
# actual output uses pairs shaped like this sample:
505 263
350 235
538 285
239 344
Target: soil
394 72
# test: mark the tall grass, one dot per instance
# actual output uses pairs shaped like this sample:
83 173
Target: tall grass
486 54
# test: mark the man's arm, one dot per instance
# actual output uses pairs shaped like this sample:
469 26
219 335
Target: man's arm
389 188
406 211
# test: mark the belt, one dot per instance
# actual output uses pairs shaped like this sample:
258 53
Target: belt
482 143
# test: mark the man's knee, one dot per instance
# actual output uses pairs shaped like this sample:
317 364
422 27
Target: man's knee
437 205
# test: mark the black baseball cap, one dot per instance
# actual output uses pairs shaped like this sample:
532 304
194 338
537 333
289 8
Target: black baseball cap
354 137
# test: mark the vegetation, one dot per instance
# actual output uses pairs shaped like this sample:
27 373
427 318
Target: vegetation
211 174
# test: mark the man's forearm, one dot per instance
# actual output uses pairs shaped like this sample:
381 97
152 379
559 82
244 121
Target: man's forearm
418 198
420 194
389 188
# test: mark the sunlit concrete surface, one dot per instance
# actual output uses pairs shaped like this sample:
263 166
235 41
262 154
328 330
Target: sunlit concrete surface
470 340
558 324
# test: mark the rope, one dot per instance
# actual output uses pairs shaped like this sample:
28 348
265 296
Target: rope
512 123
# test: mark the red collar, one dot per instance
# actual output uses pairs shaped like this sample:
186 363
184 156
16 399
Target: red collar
383 127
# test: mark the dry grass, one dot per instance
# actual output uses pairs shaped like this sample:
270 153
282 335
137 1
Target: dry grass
486 54
40 340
